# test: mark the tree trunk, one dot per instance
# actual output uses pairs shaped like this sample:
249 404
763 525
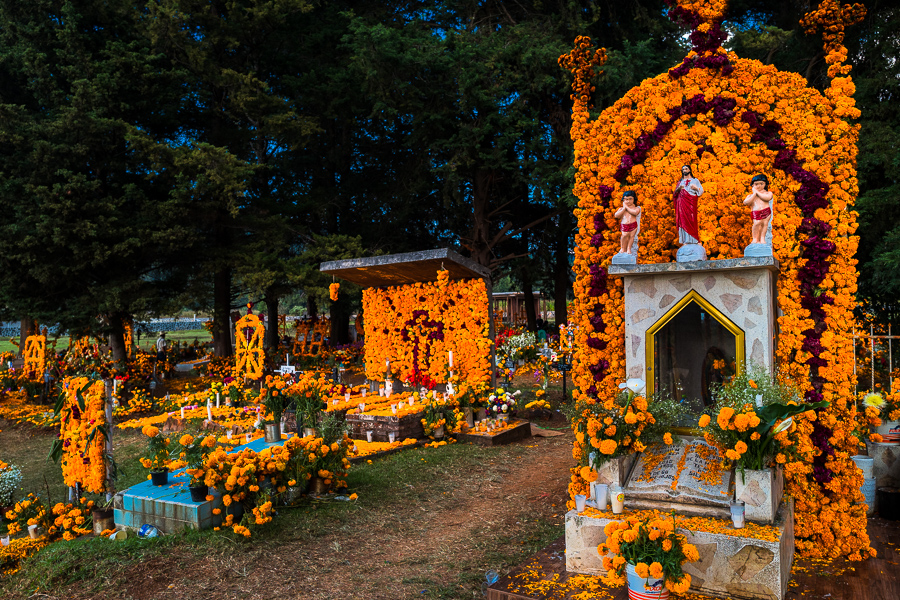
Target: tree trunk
561 269
222 312
26 328
340 321
312 308
272 316
117 337
530 315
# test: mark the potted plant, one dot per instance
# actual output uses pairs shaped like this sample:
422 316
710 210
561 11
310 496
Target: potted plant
749 411
309 404
440 416
885 409
273 399
194 452
502 404
650 552
158 461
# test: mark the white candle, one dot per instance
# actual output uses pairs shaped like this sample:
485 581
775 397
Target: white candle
451 358
364 390
247 437
217 399
209 412
182 413
347 397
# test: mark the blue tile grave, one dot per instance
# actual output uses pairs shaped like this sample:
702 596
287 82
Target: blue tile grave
169 507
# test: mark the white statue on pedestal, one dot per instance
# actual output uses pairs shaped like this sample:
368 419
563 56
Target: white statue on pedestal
687 191
760 200
629 215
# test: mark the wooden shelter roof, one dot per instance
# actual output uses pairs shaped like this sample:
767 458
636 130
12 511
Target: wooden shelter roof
405 268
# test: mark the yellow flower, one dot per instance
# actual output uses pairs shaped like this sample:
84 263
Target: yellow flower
656 570
667 438
642 570
704 420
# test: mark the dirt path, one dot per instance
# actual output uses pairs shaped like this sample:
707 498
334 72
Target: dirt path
437 546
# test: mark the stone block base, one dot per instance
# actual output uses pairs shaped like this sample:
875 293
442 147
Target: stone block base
519 429
730 565
409 426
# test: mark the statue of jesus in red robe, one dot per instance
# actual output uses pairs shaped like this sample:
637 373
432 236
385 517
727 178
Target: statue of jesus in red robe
686 193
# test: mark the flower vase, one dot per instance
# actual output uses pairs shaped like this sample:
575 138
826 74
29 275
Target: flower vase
503 417
102 519
470 417
481 414
439 433
645 588
866 464
760 491
199 492
273 433
317 486
889 432
160 477
309 432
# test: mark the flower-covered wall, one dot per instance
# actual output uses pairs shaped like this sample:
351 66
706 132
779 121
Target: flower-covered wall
415 327
729 119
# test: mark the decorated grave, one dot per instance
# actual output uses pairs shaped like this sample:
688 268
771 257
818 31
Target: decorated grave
427 322
728 258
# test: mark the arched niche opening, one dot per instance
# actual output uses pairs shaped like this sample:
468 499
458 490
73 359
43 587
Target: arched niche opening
692 347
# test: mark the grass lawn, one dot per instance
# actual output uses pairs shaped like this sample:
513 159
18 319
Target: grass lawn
428 524
148 341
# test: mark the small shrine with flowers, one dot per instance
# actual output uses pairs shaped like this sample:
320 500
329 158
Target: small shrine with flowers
715 277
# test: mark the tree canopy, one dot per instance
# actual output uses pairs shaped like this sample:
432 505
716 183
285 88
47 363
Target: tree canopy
180 153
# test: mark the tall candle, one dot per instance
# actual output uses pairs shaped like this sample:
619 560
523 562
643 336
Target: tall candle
182 413
209 411
451 358
217 399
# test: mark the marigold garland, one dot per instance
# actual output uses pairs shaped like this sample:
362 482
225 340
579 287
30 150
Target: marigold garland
730 118
250 357
81 434
415 326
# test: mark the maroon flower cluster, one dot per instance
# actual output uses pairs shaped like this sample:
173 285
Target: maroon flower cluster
704 43
722 113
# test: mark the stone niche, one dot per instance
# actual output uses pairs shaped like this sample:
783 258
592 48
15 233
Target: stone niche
683 321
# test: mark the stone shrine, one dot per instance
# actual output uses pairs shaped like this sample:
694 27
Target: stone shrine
688 326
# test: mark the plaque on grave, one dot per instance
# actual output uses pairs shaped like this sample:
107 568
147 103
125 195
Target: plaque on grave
686 472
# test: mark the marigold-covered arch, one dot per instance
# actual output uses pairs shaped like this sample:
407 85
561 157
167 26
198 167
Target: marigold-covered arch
730 118
250 358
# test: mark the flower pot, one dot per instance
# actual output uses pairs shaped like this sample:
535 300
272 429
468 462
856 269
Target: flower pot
504 417
889 503
470 417
317 486
889 432
236 510
580 500
738 514
760 491
159 477
102 519
600 494
439 433
273 433
644 588
292 494
617 499
199 492
309 432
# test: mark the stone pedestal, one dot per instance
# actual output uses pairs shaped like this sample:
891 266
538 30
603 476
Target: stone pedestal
615 471
761 493
738 563
887 466
741 290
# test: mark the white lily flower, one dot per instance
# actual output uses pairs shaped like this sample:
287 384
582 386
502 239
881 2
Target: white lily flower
784 425
634 385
